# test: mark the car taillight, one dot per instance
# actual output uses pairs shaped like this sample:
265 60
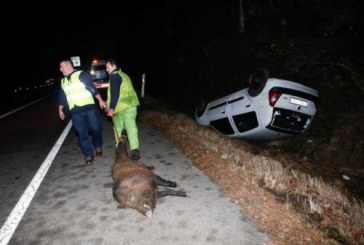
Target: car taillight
273 98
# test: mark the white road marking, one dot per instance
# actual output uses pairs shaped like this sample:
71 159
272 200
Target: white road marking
13 220
24 106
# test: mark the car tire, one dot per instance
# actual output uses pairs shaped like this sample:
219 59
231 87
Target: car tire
201 107
257 82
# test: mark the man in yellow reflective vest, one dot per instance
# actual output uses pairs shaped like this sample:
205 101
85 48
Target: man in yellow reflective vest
123 101
77 94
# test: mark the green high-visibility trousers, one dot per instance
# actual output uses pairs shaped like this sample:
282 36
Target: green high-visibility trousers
127 119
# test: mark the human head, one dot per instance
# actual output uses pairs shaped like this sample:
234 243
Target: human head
111 65
66 67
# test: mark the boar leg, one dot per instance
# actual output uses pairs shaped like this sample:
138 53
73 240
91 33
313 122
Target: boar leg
170 192
163 182
149 167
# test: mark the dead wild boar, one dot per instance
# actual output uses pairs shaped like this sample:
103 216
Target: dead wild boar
136 186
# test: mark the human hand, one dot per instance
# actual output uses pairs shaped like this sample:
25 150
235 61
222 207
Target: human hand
110 113
102 104
61 115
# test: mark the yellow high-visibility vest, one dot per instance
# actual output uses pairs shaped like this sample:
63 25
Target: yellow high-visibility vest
76 92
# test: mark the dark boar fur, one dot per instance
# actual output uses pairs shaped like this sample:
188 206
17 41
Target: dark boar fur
136 186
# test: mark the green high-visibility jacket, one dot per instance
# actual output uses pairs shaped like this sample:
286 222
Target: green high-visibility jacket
127 95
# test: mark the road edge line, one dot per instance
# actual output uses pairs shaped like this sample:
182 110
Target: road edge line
14 218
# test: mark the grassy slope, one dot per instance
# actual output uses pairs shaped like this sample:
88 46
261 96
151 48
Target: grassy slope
293 207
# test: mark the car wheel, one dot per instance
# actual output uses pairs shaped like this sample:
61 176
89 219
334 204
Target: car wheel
257 81
201 107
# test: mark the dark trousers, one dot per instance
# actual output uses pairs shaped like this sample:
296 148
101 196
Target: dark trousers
85 124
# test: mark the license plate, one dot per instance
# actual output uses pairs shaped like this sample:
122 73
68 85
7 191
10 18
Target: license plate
299 102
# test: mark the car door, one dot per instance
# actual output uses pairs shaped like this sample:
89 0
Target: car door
241 112
218 116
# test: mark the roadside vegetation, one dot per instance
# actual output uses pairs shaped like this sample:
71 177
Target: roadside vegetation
306 189
316 43
293 206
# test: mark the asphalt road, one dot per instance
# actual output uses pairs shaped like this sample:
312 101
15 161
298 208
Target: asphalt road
74 203
26 137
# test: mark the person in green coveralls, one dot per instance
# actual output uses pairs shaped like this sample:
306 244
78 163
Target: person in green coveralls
123 101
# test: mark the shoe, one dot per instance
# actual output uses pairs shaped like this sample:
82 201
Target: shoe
98 151
89 161
135 154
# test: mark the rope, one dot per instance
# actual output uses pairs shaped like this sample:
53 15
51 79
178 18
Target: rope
119 137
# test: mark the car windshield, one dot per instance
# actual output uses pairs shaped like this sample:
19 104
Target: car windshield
98 67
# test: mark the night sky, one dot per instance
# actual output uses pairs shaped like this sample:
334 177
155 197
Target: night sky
41 34
151 36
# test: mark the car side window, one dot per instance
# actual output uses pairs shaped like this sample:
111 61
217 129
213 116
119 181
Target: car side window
223 126
257 82
246 121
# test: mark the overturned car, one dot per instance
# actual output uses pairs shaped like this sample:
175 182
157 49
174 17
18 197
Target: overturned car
268 109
